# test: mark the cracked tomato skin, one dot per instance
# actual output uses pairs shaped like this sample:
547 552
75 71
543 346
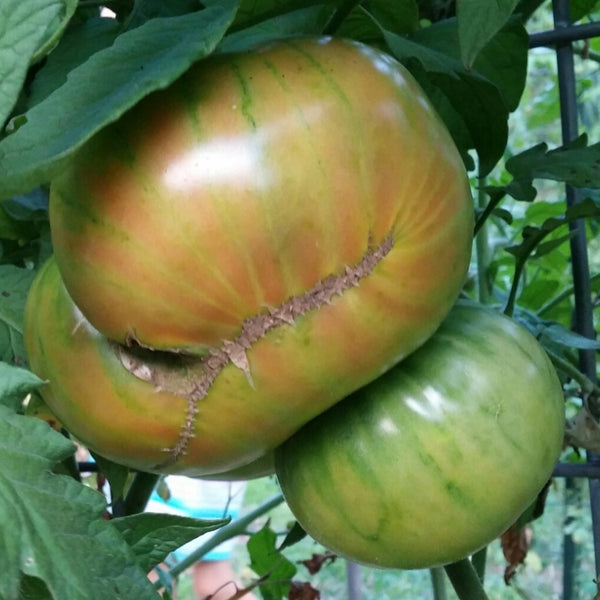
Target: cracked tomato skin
129 421
252 178
296 219
436 458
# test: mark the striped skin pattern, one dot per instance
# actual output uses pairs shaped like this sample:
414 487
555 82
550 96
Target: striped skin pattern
436 458
285 224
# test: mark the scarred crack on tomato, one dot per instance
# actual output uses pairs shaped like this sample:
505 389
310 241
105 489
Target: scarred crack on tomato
192 377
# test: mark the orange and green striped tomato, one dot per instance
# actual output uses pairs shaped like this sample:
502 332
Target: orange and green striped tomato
436 458
284 225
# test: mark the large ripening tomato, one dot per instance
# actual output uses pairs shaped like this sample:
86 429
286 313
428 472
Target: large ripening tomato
283 224
437 457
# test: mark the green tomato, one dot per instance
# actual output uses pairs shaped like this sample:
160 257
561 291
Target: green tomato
436 458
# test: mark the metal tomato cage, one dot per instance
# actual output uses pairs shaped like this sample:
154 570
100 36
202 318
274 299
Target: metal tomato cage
561 38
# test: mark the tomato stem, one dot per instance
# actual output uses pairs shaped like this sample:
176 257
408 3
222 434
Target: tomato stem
138 493
479 560
482 248
465 580
438 583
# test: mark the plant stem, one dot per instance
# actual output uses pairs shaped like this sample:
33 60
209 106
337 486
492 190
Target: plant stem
138 493
487 211
482 248
233 529
465 580
438 583
478 561
509 309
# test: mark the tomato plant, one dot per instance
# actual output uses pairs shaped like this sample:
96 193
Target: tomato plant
213 208
437 457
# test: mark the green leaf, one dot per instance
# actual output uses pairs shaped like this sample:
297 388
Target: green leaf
547 247
503 62
15 384
538 291
564 337
33 588
293 536
96 93
587 208
14 285
9 228
56 29
473 103
401 18
359 25
76 46
526 8
274 569
23 28
152 536
574 163
253 12
144 10
52 526
305 21
582 8
478 23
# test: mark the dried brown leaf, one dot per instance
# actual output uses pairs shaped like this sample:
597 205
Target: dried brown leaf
302 590
515 545
315 563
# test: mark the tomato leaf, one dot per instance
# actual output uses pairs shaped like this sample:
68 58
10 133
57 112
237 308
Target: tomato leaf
144 10
100 90
15 384
547 247
575 163
398 17
33 588
305 21
478 22
474 103
25 27
153 536
52 526
252 12
14 285
275 570
77 45
293 536
582 8
562 336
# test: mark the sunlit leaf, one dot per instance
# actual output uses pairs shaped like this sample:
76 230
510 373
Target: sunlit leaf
103 88
52 525
15 384
24 27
